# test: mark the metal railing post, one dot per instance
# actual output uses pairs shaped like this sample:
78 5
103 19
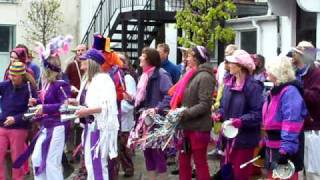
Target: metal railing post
132 5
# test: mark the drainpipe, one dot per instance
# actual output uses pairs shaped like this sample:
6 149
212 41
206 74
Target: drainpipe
318 30
258 27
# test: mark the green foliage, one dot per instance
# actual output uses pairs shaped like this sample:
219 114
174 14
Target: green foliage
43 19
202 22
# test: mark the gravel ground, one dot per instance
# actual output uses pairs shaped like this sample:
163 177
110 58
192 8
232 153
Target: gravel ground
140 172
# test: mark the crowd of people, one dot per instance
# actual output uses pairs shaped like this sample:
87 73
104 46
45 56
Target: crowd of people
90 108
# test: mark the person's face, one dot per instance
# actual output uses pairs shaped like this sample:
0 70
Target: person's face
143 60
16 79
296 58
162 53
226 66
234 68
81 49
271 77
191 61
14 57
184 57
84 65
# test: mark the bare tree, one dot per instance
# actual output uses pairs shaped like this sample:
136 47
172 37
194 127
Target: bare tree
43 20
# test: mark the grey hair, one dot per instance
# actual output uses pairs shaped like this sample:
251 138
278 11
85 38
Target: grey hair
309 55
281 68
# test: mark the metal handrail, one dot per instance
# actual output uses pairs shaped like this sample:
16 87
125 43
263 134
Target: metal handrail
106 11
109 9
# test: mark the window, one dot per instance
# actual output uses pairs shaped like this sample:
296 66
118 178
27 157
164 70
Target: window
306 26
6 38
248 41
9 1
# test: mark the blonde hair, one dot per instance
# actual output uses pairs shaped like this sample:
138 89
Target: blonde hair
230 49
28 77
93 69
49 75
281 68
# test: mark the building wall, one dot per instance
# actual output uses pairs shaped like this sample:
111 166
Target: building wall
14 13
10 13
87 10
269 38
266 27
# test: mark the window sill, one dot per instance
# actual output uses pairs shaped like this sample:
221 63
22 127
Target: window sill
8 2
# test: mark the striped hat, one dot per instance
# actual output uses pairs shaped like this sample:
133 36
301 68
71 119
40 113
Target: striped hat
17 68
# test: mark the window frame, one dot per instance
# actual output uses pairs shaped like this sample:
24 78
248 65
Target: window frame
239 39
12 37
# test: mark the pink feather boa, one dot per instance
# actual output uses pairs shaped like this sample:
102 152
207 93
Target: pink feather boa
180 88
142 85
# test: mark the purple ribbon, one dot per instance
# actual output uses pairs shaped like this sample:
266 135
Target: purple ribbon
26 154
96 162
44 152
44 147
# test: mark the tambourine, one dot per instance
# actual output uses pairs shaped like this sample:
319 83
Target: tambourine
283 171
228 130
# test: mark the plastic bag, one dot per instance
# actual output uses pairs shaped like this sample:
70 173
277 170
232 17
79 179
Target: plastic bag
311 152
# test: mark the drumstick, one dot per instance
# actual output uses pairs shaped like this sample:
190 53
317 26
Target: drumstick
165 145
29 89
249 162
63 92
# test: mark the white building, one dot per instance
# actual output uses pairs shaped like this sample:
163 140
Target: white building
286 23
12 32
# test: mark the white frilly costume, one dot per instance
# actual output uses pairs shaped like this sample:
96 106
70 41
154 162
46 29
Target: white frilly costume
101 93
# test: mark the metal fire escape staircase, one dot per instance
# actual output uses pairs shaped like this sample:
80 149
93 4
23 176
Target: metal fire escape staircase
132 24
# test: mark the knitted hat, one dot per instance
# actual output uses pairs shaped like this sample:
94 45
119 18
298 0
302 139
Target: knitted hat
21 54
242 58
93 54
17 68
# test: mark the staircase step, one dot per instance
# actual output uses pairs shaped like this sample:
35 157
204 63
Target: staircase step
133 32
128 49
147 23
133 41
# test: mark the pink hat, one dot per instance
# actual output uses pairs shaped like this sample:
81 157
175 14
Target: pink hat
242 58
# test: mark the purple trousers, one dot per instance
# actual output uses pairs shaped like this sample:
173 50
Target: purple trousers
155 160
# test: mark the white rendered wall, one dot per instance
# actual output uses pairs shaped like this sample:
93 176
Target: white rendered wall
14 13
268 42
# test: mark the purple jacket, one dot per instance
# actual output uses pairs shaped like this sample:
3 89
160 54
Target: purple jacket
244 103
283 115
52 101
14 102
157 90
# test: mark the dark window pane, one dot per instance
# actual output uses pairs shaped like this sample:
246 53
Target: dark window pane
4 38
249 41
306 26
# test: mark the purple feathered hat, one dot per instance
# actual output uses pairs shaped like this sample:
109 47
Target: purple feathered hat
56 46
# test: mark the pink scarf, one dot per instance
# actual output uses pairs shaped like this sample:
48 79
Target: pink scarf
142 85
181 87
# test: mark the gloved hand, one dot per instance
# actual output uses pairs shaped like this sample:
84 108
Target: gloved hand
216 117
236 122
283 159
